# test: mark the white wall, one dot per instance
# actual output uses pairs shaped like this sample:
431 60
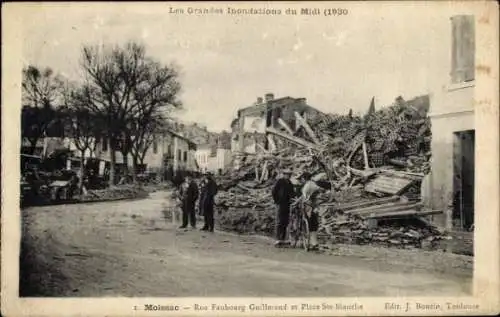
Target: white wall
451 110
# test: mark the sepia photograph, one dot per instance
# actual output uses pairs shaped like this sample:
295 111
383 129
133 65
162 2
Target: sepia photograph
249 150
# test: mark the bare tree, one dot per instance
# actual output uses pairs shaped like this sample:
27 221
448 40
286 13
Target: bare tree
85 126
40 94
153 110
120 83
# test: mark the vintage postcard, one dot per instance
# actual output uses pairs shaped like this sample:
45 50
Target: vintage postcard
250 159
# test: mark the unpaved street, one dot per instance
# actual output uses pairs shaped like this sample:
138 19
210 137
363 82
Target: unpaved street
127 248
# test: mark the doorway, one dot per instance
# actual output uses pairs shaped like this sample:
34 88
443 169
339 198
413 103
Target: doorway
463 179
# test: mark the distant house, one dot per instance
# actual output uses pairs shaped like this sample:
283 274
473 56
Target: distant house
169 154
264 113
213 158
453 137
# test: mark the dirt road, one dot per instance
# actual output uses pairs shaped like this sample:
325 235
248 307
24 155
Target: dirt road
127 248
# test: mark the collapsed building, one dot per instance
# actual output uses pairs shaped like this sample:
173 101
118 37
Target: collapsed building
403 175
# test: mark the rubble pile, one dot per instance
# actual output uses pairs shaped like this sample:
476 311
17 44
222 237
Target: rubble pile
349 151
114 193
338 227
244 221
241 197
398 135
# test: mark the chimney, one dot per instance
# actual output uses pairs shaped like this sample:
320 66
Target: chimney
269 97
259 100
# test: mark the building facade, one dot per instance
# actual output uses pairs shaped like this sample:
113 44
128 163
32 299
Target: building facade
169 153
248 129
213 159
452 118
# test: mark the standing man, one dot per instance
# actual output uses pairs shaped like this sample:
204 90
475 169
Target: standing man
189 195
208 194
309 192
202 195
283 192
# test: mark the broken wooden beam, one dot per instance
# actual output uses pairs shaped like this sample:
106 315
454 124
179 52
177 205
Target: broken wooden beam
365 156
293 139
391 207
403 214
386 184
361 173
302 122
285 126
272 144
372 202
410 175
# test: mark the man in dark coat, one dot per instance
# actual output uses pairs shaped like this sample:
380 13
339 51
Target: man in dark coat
202 196
208 196
283 192
189 195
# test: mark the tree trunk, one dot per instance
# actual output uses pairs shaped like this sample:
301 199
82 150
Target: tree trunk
82 172
125 162
134 169
112 159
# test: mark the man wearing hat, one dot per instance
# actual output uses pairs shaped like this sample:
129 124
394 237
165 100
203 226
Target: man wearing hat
283 192
207 201
309 192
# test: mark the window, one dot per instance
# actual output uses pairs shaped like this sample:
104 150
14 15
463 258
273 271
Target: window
155 146
169 149
185 156
463 49
179 155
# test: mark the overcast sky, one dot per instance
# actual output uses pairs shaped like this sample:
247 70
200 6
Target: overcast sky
336 63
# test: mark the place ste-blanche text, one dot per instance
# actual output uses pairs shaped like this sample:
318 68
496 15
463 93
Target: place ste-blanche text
283 307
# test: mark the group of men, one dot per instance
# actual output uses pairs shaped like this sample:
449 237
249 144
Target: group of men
284 191
190 193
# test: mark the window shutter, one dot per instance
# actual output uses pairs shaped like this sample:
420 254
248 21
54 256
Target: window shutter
469 48
454 48
463 48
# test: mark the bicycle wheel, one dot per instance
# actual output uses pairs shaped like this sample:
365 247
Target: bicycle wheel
304 233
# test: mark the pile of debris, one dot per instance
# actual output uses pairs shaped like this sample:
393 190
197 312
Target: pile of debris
384 154
379 221
114 193
245 221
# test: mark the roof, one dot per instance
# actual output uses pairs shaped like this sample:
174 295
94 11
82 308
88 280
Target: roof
279 102
177 135
270 102
205 146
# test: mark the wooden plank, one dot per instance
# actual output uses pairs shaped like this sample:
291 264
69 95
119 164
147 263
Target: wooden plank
365 173
365 156
306 127
349 206
262 148
381 206
388 185
293 139
285 126
264 172
272 144
386 189
388 209
403 214
409 175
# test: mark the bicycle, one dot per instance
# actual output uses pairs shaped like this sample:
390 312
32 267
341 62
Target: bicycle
299 225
